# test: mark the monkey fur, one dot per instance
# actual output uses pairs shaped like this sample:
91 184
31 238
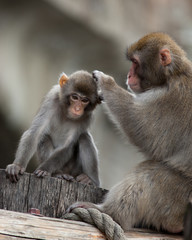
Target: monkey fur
156 115
59 133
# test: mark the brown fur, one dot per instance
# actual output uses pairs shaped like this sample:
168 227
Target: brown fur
158 120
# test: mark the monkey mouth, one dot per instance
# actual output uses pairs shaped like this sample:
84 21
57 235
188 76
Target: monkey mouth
133 88
75 114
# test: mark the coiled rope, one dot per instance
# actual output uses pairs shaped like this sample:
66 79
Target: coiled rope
102 221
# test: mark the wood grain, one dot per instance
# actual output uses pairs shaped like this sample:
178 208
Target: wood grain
14 225
52 196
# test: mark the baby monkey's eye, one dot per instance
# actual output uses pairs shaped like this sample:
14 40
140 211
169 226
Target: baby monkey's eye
85 100
74 97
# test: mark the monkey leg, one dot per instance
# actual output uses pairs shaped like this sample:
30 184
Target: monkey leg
152 195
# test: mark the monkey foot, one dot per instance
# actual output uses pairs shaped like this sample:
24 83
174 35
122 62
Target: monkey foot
97 75
13 171
83 178
66 177
174 230
41 173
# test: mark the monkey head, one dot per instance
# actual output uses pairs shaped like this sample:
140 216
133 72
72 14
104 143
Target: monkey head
155 59
79 94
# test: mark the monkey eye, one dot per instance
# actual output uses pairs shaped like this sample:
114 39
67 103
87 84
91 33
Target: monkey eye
85 100
74 97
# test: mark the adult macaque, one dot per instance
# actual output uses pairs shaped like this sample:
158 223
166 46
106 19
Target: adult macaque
59 133
157 117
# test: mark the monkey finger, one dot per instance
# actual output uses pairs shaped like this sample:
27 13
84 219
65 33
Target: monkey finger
86 181
8 170
98 75
45 173
14 177
83 178
7 173
10 176
42 173
94 75
38 173
79 178
22 170
68 177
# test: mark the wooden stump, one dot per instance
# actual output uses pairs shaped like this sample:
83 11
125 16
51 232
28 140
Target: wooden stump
51 196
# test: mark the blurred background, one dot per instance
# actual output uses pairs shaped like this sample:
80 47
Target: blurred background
40 39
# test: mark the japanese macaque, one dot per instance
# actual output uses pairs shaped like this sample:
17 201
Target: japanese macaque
59 133
157 117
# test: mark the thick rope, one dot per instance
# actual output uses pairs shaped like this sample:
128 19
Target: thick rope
102 221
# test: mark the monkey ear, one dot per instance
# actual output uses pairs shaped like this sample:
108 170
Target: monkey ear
165 57
63 79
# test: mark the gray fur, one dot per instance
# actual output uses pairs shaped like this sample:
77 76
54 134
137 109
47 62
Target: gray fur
63 145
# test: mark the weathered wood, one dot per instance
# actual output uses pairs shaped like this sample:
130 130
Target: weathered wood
14 225
51 196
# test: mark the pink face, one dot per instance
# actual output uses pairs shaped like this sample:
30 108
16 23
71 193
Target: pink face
77 106
133 81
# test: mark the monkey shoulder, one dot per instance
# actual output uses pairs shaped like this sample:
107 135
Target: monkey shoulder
53 92
46 107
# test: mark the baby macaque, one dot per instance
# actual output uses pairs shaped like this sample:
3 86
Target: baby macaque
59 133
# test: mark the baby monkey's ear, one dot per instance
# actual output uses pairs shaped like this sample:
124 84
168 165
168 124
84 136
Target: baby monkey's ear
63 79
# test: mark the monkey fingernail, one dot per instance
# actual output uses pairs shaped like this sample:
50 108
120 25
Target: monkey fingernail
14 179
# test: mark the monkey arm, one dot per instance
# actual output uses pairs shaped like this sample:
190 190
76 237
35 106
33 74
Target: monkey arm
44 147
88 157
118 101
112 94
25 151
146 119
28 143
